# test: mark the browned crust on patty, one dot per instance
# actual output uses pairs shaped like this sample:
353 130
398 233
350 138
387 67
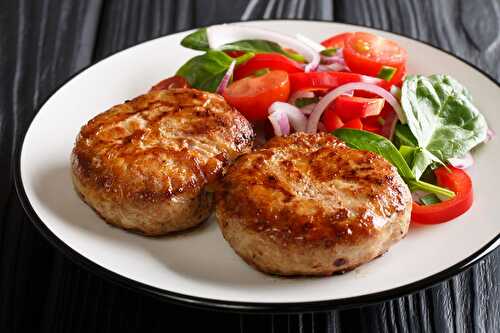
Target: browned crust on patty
308 193
158 150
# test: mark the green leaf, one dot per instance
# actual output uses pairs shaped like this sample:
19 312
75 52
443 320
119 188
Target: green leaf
304 101
378 144
375 143
430 199
260 46
197 40
408 153
430 188
205 71
441 116
421 160
404 136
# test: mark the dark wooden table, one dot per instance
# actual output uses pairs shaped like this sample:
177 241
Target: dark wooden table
44 42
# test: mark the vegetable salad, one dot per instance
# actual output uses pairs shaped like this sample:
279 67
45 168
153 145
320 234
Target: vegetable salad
356 86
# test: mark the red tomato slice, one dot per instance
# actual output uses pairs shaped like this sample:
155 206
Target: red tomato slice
331 120
252 96
459 182
350 107
272 61
330 80
354 123
336 41
366 53
171 83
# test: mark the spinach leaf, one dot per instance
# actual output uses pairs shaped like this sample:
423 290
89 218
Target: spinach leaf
378 144
197 40
260 46
403 136
205 71
442 118
364 140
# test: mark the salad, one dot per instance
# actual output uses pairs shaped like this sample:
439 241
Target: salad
356 86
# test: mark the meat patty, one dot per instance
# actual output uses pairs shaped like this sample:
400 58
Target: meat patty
307 204
147 165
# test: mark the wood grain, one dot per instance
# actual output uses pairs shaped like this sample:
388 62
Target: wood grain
44 42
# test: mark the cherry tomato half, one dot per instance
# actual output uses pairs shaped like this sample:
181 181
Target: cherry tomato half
272 61
330 80
336 41
252 95
459 182
366 53
171 83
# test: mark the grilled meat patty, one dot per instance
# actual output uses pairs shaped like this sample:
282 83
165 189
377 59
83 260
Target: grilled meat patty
307 204
145 165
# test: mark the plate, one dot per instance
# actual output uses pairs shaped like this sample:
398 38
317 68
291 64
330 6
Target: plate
199 267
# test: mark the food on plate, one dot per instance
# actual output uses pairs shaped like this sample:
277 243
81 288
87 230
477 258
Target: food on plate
356 86
306 204
147 165
358 147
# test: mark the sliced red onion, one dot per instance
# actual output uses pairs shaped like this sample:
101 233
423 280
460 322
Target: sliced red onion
314 118
389 127
219 35
490 135
279 120
295 116
300 94
309 42
463 162
334 67
225 80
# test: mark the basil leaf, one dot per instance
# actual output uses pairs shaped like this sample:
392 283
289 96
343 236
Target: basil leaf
197 40
441 115
205 71
260 46
378 144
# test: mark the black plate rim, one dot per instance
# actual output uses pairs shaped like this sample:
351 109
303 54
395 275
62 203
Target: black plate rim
233 306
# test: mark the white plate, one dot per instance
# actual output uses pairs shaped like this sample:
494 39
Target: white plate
199 267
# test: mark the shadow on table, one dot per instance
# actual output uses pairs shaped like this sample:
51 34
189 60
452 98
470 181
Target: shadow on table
200 254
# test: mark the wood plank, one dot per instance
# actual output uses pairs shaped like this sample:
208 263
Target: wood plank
44 42
39 51
471 32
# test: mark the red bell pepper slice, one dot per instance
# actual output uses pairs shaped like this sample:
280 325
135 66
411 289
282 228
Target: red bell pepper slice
459 182
351 107
330 80
272 61
354 124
